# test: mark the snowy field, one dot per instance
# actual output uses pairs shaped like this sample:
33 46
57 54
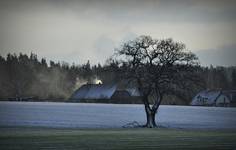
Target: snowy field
78 115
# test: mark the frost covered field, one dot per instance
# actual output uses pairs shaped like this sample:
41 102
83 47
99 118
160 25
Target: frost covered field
51 114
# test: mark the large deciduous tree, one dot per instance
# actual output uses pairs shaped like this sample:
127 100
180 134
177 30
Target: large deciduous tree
156 67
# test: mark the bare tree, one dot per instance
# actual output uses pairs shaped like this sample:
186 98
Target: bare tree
156 67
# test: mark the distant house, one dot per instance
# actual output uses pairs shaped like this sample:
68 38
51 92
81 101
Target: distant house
215 98
105 93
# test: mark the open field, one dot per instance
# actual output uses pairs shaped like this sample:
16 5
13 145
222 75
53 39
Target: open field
51 138
36 125
79 115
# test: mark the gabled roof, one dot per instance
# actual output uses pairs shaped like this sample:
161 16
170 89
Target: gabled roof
94 91
231 94
121 94
207 97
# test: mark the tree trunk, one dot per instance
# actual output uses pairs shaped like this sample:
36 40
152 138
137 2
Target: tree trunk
150 118
151 111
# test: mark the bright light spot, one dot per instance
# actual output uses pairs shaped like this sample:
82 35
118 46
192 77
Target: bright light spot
98 81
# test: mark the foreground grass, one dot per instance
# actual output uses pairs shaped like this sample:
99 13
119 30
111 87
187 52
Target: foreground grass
107 139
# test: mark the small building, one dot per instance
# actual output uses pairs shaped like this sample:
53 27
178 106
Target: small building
105 93
215 98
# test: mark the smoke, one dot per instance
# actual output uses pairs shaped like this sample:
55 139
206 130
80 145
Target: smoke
51 84
55 84
92 80
80 82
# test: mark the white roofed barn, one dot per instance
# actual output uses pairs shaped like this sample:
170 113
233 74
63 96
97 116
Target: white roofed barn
215 98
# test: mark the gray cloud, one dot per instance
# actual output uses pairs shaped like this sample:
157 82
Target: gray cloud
133 10
223 56
78 30
104 46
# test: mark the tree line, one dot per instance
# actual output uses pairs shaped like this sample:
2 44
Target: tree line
27 76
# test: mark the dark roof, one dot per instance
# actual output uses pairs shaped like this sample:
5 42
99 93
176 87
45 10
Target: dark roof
121 94
94 91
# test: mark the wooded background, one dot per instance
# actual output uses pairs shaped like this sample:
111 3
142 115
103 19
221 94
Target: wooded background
26 76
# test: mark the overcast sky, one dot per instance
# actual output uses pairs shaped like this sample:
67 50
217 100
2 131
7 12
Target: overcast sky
77 31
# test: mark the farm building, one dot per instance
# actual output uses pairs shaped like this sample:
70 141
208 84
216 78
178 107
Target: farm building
105 93
215 98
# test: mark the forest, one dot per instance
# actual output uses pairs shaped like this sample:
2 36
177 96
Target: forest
26 77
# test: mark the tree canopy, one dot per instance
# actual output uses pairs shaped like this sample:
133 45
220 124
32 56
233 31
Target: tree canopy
156 67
